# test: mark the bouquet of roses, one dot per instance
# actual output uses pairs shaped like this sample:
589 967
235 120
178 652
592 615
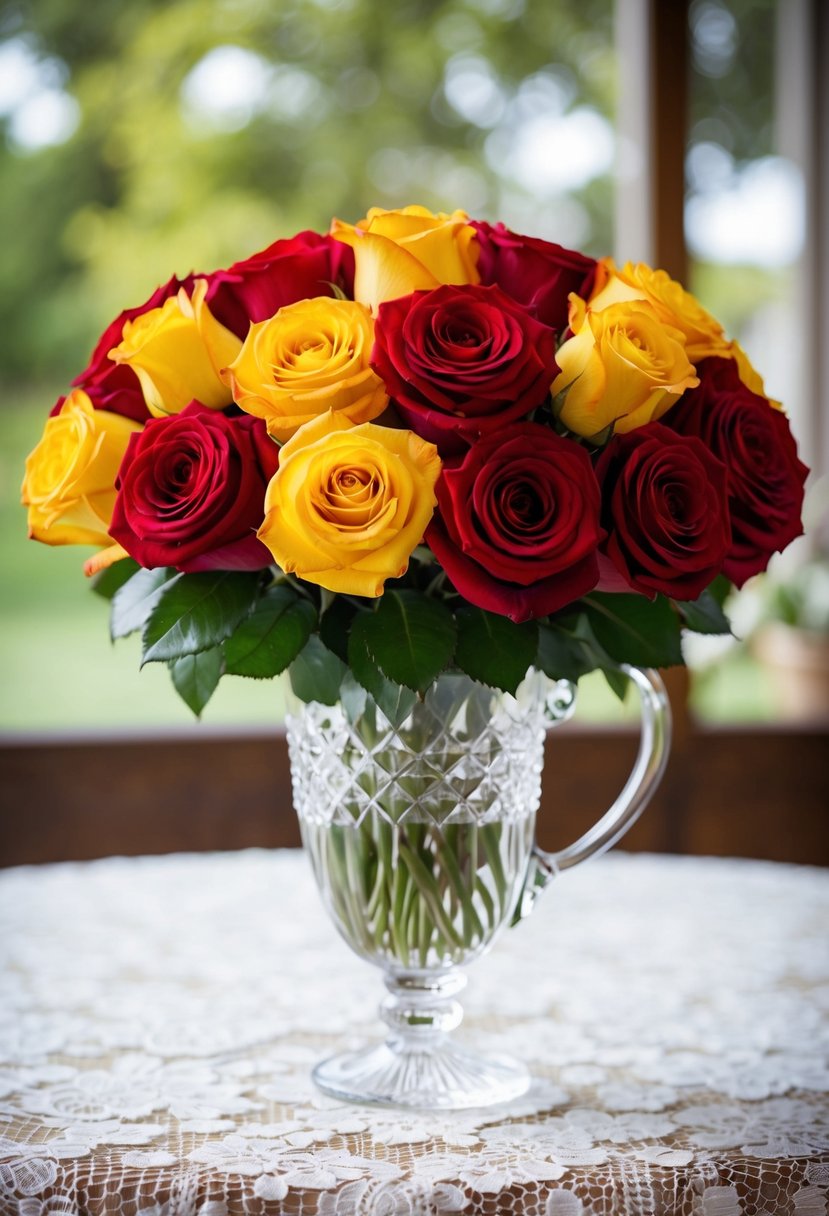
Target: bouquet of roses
414 444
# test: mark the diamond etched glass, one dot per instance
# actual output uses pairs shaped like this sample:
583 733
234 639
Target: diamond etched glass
419 819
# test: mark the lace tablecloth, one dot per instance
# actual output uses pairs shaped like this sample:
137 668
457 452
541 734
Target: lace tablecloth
160 1016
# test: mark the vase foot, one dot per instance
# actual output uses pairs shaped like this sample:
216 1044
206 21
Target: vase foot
440 1076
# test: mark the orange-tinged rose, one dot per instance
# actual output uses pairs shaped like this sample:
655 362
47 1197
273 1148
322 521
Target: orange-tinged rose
313 356
103 559
348 504
622 367
177 351
673 305
398 252
69 485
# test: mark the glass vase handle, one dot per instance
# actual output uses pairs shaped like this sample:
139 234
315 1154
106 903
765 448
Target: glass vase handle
654 746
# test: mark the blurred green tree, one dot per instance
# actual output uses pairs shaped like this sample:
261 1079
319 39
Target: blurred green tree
205 131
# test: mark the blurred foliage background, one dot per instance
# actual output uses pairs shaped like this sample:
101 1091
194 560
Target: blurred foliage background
205 130
164 136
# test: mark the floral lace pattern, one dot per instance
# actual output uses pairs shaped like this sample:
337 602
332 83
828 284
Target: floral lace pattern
159 1018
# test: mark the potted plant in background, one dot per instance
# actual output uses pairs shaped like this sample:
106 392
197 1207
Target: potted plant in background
788 611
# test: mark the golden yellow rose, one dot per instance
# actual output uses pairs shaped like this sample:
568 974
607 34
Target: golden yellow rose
348 504
313 356
673 305
177 351
749 375
398 252
623 366
69 485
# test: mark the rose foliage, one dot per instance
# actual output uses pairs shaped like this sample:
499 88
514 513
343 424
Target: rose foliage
412 444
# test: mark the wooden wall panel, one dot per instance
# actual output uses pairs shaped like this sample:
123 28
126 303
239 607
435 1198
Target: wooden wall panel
738 792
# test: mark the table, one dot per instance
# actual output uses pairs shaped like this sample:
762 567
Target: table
160 1015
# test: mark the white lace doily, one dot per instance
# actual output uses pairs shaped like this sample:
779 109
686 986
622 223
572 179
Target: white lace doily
160 1015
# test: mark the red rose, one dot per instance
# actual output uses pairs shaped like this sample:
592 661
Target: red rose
112 386
665 510
754 442
517 526
301 268
536 273
460 362
191 491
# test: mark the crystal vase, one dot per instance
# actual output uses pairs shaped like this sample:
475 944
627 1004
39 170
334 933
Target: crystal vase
419 820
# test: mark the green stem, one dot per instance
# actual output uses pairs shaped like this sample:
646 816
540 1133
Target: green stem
471 921
430 894
339 853
424 932
486 899
491 839
400 886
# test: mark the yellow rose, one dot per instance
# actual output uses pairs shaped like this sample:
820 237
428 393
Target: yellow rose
623 366
348 504
749 375
69 485
673 305
398 252
313 356
177 351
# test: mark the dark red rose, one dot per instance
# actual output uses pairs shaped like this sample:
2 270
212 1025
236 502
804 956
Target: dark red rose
536 273
191 491
460 362
297 269
754 442
517 525
112 386
665 511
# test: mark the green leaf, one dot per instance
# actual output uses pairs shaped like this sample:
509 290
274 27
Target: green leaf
594 652
197 611
633 629
195 677
558 401
360 659
113 578
704 614
327 599
589 654
411 638
133 603
316 673
353 697
394 699
561 656
335 626
617 681
493 649
721 588
271 636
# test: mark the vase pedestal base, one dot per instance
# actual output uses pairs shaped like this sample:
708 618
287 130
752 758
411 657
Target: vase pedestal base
420 1065
436 1076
